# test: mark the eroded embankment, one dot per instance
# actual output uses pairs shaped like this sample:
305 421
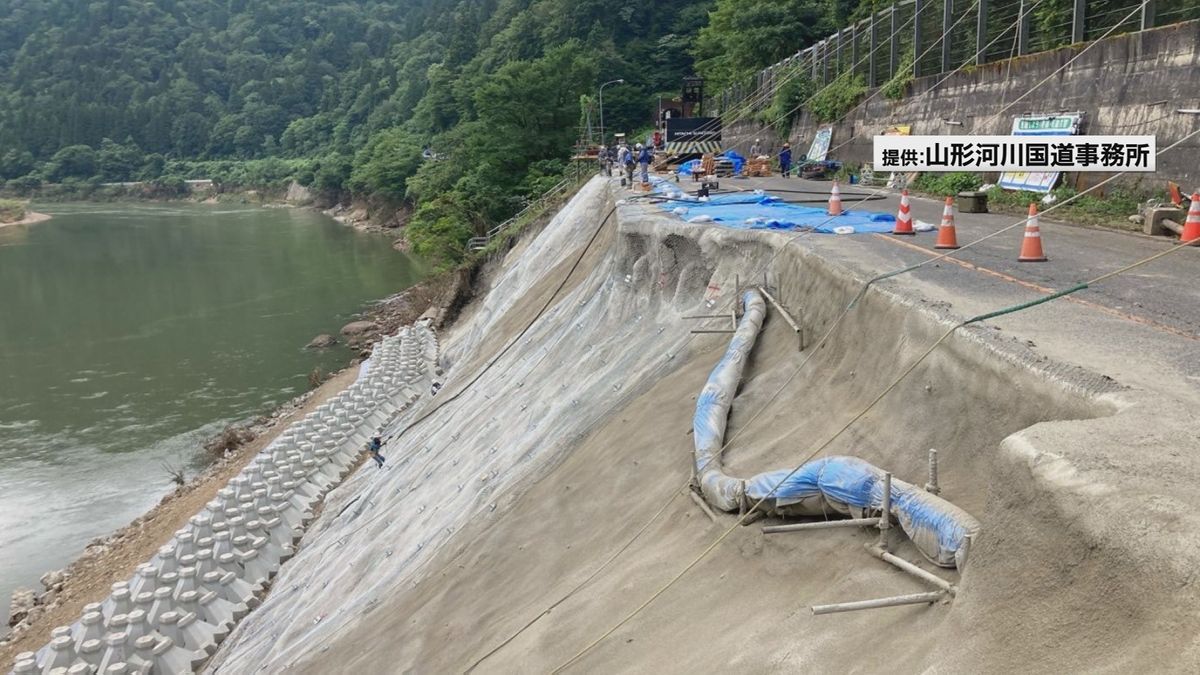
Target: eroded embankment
567 454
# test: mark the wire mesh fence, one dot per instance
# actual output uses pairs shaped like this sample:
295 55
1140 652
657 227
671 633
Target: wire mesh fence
929 37
1002 30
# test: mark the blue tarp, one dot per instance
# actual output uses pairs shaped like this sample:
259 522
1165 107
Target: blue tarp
937 527
766 211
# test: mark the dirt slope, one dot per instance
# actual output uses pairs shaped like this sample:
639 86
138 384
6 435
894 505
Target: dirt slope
516 492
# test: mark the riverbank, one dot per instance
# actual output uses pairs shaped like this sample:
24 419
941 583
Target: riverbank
89 569
30 218
114 558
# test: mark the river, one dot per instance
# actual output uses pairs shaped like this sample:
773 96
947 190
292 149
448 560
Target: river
129 333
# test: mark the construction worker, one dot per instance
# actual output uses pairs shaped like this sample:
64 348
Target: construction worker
373 447
645 156
627 162
756 148
785 160
602 158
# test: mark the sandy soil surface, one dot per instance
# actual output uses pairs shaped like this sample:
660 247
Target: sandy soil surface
93 575
30 218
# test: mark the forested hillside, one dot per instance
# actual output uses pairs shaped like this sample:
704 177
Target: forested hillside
345 96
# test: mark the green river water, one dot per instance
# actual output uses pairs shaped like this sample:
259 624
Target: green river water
128 333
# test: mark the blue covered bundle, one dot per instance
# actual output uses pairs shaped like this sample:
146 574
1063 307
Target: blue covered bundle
938 528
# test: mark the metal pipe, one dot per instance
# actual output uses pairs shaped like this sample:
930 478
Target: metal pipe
703 505
902 564
932 486
786 317
752 517
822 525
894 601
885 517
713 330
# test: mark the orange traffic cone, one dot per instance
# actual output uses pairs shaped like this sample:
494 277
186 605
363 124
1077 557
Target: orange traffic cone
835 201
1191 226
1031 245
1176 195
903 218
947 238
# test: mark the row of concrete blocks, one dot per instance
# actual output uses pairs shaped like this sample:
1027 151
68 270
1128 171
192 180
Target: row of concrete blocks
178 607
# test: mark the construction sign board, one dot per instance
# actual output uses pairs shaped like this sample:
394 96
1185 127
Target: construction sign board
692 135
820 145
1058 124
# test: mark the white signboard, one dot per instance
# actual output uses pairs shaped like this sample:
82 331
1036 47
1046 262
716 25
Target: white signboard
1062 124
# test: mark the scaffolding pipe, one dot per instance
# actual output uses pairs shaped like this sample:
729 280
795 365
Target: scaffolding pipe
932 486
902 564
884 516
894 601
703 506
784 313
822 525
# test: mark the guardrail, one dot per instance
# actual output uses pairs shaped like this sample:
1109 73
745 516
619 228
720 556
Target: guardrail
480 243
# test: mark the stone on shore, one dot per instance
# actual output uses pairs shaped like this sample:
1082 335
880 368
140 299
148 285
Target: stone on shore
355 328
322 341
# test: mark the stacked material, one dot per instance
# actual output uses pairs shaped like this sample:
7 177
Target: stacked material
178 606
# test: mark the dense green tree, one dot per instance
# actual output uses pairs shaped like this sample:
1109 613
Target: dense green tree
743 36
73 161
346 96
116 162
386 164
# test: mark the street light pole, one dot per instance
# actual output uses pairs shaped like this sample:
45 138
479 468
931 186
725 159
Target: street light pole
602 141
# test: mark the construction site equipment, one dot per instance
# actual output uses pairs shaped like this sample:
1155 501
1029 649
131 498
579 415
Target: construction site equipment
932 486
845 485
1175 193
973 201
784 313
1191 226
885 520
703 505
821 525
689 133
758 167
894 601
947 236
835 200
1031 243
815 170
904 224
902 564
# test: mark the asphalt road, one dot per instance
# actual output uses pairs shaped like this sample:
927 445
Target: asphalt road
1142 327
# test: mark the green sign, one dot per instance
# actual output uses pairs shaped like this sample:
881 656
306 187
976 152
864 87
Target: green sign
1045 123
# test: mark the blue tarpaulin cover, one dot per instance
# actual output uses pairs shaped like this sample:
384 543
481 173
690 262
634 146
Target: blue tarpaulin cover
762 211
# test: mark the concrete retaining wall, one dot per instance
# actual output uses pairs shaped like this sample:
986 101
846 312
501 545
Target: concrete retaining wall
175 610
1130 84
